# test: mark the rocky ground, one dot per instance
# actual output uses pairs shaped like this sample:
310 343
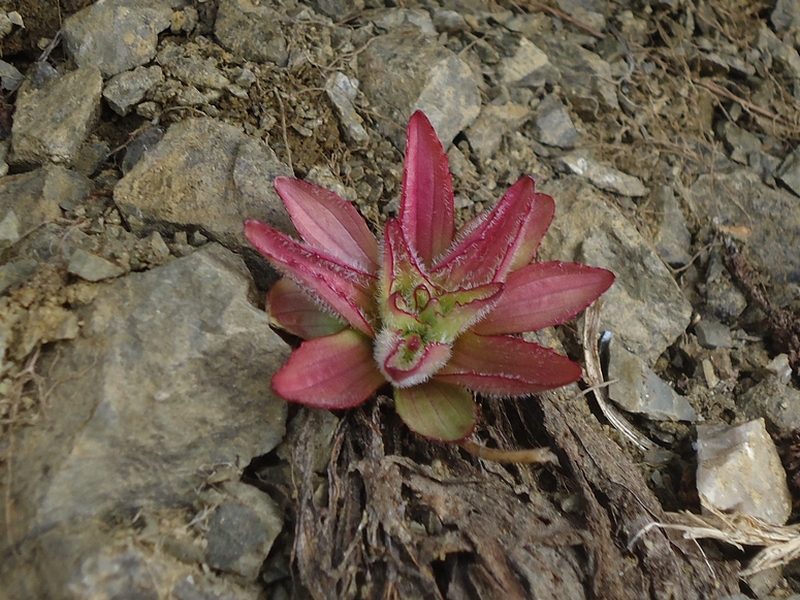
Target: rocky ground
142 453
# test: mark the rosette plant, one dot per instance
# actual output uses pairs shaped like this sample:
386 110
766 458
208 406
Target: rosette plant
433 311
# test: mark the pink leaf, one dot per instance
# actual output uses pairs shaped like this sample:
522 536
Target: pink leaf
291 309
328 223
437 410
544 294
506 366
346 290
536 225
426 200
488 248
331 372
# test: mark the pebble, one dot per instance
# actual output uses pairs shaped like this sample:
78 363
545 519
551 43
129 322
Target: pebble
251 31
738 470
127 89
774 400
554 126
404 70
115 35
494 121
342 90
713 334
601 175
92 267
638 389
51 123
241 530
29 200
528 67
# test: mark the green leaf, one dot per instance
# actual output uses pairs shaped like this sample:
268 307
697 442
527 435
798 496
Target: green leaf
437 410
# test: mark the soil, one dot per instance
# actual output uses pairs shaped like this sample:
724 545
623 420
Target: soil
342 478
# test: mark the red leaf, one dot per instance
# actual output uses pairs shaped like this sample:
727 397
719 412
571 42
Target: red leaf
332 372
329 223
506 366
291 309
488 249
426 200
437 410
544 294
346 290
536 225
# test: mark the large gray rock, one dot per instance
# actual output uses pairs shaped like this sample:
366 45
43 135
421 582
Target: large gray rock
645 308
406 70
169 378
51 123
207 176
772 217
116 35
251 31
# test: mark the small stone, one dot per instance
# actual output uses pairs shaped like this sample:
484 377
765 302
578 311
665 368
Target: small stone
486 133
780 367
115 35
529 67
241 531
251 31
673 239
638 389
338 9
554 126
14 273
29 200
92 267
449 21
603 176
159 246
198 239
713 334
342 91
778 403
194 71
51 123
148 110
739 470
10 77
741 143
405 70
125 90
710 374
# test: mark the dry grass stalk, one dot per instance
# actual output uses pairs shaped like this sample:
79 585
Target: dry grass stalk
594 377
780 543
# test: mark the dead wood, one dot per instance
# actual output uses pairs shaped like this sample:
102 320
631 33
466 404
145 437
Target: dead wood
395 516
